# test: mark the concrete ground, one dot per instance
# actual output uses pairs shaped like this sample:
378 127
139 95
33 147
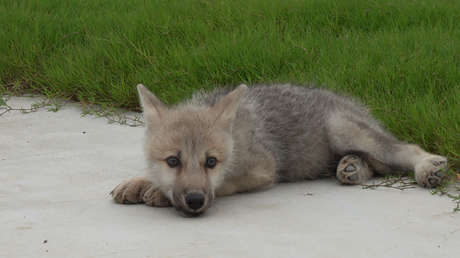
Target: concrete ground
57 169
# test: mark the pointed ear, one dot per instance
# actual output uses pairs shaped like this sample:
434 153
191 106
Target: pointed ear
227 106
152 107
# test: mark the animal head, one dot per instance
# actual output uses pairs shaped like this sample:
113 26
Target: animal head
189 148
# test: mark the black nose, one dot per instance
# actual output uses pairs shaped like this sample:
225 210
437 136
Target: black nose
194 200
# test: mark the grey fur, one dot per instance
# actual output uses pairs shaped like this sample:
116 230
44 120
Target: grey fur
268 134
291 122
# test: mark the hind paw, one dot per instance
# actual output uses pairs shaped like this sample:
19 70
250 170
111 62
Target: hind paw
352 170
431 171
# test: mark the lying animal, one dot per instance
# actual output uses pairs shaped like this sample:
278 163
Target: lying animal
226 142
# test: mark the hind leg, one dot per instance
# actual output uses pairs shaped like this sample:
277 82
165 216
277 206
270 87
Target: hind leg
352 133
353 170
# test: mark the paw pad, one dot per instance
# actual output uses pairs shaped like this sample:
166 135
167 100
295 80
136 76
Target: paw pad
431 171
353 177
352 170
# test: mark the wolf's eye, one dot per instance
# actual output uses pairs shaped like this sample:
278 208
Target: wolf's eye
173 161
211 162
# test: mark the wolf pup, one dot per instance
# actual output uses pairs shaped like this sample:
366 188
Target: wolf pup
226 142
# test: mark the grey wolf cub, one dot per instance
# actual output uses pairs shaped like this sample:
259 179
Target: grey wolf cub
226 142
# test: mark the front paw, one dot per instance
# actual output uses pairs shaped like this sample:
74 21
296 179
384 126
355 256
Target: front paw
154 197
139 190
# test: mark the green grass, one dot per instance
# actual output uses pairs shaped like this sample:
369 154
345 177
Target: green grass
402 58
